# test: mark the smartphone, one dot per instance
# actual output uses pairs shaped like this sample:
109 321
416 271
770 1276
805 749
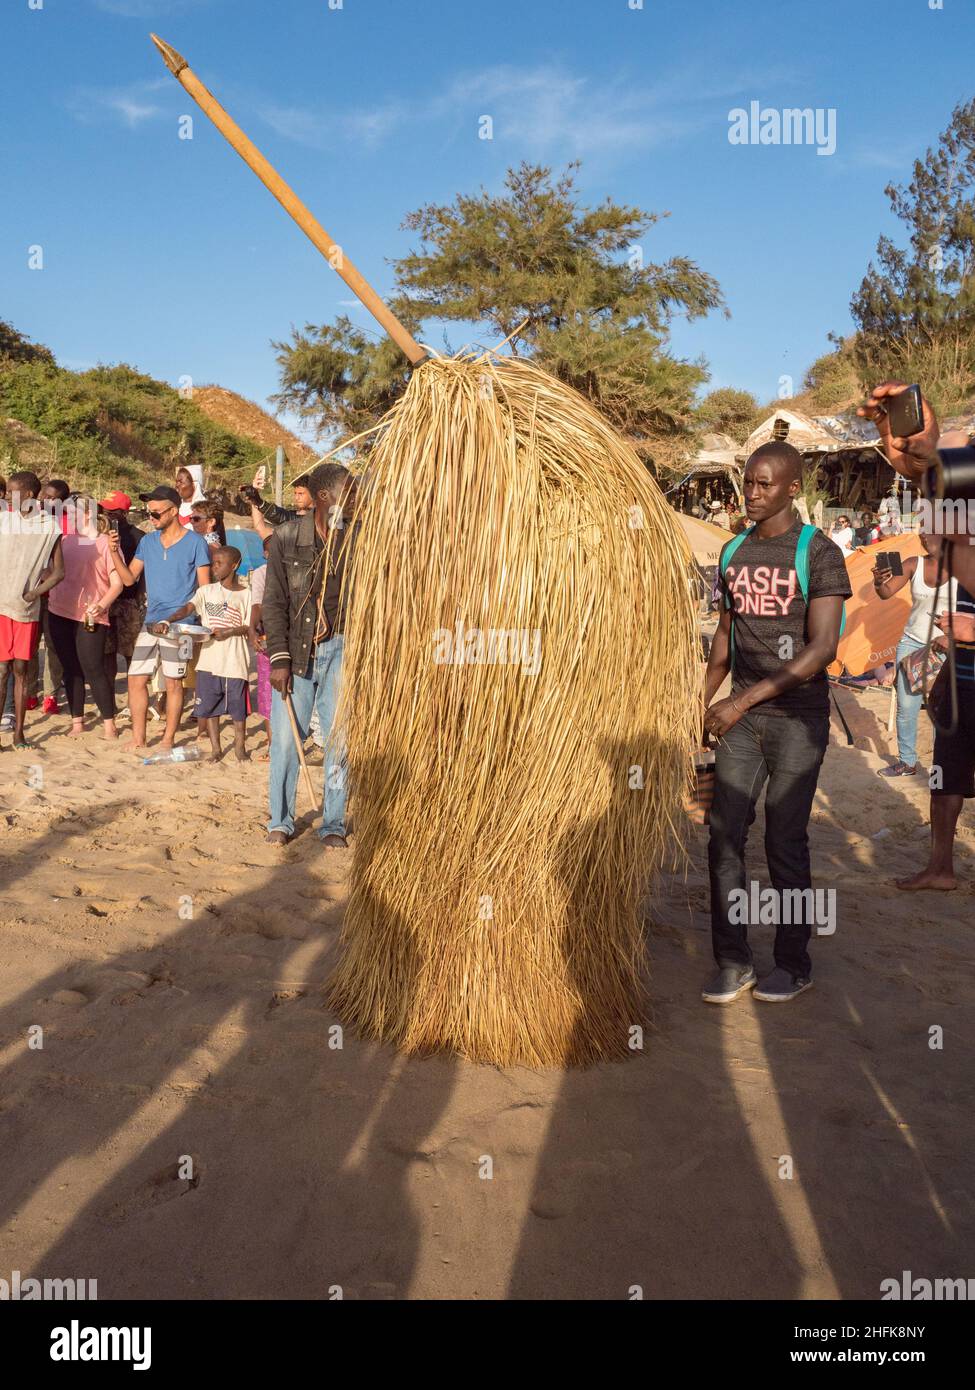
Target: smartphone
113 524
260 477
890 560
905 413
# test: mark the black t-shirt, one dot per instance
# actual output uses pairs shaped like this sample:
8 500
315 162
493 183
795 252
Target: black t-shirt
769 610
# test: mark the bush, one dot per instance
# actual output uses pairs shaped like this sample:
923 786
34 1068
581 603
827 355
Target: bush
115 426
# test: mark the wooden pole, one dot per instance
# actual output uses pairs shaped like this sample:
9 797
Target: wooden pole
279 474
289 200
299 745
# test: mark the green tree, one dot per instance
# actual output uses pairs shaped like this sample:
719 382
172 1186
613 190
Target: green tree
915 307
15 347
562 282
729 411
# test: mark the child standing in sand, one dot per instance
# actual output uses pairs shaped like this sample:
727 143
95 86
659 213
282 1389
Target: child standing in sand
223 667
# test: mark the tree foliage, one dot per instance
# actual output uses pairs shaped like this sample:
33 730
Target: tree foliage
729 411
563 283
15 347
915 307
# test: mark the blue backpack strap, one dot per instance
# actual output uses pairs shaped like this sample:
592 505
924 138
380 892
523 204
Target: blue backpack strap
802 567
723 559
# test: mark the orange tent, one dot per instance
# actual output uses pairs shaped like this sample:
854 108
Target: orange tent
874 625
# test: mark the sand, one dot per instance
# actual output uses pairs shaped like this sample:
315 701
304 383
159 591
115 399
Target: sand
191 1129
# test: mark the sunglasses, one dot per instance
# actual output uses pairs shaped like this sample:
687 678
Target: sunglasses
157 516
197 519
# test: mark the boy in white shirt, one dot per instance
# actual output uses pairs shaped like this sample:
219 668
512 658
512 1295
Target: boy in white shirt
223 667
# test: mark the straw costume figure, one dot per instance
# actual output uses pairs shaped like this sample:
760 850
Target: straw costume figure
521 702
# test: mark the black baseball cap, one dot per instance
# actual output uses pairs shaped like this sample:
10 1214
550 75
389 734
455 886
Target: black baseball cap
161 494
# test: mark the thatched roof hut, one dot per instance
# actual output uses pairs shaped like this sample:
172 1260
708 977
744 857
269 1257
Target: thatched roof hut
843 448
713 469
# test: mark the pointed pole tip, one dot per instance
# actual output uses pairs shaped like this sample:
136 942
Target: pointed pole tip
173 60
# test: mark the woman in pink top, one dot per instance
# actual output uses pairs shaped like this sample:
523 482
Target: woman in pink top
90 586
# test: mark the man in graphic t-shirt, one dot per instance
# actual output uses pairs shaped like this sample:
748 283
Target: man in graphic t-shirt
774 726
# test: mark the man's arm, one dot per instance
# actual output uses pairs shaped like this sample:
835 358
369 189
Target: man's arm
54 575
269 511
202 576
912 458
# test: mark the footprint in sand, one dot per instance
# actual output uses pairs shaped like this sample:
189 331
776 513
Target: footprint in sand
283 996
162 1187
71 998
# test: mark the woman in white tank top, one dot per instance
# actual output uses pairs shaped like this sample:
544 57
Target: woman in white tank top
921 572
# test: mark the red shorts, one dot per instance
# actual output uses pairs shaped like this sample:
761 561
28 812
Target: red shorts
18 641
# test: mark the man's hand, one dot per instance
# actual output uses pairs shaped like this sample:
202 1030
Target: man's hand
158 629
32 595
281 679
721 716
250 494
880 576
960 625
913 456
221 634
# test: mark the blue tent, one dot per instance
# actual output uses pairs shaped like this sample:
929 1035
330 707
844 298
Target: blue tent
251 549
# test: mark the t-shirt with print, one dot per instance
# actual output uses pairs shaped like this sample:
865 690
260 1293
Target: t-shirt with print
762 587
219 607
171 572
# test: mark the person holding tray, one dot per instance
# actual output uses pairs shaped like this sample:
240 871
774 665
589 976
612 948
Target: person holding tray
176 562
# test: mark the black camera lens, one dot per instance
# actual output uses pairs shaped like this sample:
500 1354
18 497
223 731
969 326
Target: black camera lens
954 476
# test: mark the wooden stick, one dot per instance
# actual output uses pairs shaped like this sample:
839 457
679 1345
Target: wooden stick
299 745
289 200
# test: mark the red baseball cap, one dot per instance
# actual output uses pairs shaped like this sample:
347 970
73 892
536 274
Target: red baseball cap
116 502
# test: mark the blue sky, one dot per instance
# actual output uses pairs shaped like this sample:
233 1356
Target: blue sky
168 253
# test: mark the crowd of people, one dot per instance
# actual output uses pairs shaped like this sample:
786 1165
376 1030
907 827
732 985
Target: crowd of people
85 595
169 605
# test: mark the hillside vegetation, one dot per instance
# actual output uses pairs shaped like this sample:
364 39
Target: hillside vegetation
110 426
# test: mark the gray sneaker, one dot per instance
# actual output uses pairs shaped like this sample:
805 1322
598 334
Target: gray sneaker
779 987
730 981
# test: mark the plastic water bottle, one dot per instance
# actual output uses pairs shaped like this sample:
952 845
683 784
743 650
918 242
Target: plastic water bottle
175 755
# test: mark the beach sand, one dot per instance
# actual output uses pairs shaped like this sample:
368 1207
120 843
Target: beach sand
190 1129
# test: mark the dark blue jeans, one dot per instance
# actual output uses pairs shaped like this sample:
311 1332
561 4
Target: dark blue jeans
785 750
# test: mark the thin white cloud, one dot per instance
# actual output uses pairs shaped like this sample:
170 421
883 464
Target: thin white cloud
147 9
545 110
131 105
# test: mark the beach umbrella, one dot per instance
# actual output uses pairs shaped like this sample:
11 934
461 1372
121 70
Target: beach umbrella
521 696
706 541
